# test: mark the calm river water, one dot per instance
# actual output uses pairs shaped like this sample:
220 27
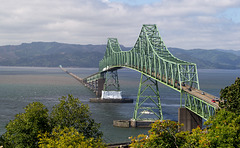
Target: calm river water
20 86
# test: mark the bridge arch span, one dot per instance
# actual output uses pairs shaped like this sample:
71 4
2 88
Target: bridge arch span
151 58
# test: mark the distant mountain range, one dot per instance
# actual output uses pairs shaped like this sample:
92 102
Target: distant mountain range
53 54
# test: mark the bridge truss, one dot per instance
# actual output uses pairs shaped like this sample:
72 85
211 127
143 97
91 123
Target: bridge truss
152 59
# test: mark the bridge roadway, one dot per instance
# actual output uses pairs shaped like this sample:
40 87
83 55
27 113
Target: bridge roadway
73 75
202 95
193 91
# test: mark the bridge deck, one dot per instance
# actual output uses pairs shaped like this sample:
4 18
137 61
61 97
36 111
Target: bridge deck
195 92
73 75
202 95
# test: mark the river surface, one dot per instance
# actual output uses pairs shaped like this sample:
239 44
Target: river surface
20 86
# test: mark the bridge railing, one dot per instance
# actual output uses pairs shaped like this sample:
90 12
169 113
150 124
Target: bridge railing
198 106
93 77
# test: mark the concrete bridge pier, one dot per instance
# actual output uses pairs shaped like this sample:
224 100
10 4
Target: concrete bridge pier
107 96
100 87
189 119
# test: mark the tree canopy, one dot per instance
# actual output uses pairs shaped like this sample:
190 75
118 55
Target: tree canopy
162 134
223 129
70 112
230 97
70 116
24 129
67 137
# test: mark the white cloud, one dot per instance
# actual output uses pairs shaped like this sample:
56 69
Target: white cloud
182 23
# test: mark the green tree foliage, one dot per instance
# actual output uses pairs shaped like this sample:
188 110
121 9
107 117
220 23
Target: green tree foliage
68 137
230 96
162 134
197 138
70 112
23 130
223 129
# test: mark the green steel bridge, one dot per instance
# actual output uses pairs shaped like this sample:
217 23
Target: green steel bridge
152 59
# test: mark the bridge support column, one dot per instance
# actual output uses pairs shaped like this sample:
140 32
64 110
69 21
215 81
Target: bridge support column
108 90
111 81
189 119
111 88
100 87
148 104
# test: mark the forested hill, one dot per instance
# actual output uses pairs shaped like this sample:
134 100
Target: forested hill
53 54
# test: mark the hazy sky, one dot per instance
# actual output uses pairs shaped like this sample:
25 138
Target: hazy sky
188 24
